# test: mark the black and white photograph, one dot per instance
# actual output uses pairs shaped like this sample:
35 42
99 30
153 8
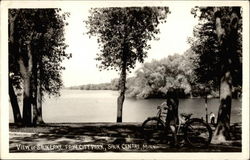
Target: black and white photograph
106 77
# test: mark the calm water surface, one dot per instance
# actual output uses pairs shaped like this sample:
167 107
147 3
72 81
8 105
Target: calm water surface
100 106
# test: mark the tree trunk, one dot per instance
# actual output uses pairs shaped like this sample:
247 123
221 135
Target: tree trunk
12 19
14 104
13 48
37 108
206 92
223 121
173 103
121 97
172 118
34 94
227 37
34 90
39 105
27 101
26 72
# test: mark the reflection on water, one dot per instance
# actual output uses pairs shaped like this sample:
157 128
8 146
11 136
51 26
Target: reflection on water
100 106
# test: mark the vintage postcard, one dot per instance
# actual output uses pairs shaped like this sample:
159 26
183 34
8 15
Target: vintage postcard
124 79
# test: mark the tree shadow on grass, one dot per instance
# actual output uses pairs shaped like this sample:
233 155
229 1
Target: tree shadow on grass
82 134
106 135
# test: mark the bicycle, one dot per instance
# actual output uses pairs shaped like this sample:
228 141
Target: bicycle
195 131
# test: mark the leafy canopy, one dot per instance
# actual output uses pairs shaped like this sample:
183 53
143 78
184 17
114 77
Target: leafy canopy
123 33
43 29
154 78
207 47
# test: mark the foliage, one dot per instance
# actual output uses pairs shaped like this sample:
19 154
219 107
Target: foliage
120 28
226 24
123 34
155 78
206 46
44 29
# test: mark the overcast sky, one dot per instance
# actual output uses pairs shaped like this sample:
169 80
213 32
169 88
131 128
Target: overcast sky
81 68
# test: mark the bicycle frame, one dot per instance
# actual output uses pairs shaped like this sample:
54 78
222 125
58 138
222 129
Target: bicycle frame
185 128
181 121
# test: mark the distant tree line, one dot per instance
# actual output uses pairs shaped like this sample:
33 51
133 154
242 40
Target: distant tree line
102 86
154 78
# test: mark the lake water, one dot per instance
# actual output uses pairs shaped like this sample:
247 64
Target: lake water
101 106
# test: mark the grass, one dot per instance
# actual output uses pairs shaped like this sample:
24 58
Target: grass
105 134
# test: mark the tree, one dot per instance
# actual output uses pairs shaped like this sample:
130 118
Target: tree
37 50
227 25
50 52
205 46
155 78
123 34
14 103
225 30
22 51
14 78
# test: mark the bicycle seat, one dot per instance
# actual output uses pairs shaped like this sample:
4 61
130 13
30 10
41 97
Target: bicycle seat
186 115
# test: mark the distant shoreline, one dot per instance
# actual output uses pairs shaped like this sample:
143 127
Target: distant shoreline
68 88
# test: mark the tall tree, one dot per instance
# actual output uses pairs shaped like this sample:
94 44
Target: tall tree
50 52
37 46
14 76
123 34
227 22
20 47
226 25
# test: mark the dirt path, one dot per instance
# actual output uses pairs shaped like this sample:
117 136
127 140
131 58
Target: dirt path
96 137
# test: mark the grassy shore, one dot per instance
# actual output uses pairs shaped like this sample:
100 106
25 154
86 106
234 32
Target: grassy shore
99 137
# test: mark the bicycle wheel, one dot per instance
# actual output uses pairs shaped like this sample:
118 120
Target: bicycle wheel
153 130
197 133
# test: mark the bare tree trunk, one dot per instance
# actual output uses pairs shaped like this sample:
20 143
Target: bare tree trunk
172 118
223 121
25 69
34 90
27 101
34 94
14 104
13 49
122 84
26 72
227 38
37 108
39 105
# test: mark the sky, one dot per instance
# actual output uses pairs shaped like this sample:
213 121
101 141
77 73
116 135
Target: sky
82 69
